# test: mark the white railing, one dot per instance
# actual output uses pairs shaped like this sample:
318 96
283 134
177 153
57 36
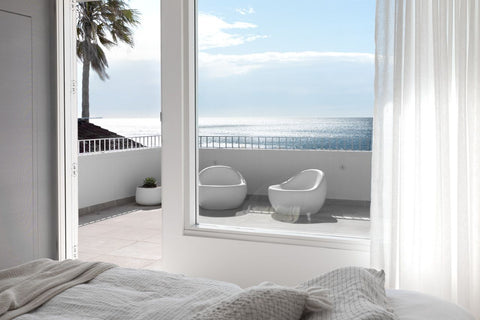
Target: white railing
285 143
102 145
230 142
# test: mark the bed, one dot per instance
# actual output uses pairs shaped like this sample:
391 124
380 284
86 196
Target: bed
46 289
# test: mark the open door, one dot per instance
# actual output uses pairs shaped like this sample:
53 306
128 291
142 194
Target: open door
67 132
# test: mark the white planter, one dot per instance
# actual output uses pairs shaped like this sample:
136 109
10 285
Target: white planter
148 196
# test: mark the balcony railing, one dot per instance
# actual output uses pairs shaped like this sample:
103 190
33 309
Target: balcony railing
103 145
230 142
285 143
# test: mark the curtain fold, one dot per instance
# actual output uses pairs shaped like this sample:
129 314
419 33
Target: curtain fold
425 212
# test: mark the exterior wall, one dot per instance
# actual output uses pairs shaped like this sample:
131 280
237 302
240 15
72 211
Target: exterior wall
348 172
111 176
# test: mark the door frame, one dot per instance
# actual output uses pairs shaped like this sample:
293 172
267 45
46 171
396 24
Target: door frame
67 151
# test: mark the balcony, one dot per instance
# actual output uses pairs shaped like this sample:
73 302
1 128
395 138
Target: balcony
110 170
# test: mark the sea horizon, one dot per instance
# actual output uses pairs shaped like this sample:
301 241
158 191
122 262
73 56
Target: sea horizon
319 131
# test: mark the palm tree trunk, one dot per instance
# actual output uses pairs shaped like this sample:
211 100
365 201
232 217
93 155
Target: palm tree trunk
86 90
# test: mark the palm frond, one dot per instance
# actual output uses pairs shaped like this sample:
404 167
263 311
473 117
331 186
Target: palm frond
104 24
99 62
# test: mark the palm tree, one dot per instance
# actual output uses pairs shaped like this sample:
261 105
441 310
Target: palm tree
101 24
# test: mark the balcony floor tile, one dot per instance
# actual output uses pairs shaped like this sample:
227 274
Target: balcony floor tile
127 235
130 235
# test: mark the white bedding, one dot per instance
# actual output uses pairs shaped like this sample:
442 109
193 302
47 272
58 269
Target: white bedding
129 294
125 294
409 305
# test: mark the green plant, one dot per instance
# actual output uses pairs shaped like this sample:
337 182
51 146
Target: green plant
149 183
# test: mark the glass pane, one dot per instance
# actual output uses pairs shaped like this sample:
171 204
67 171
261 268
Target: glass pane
285 104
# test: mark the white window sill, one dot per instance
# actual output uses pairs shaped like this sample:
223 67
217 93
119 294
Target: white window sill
283 237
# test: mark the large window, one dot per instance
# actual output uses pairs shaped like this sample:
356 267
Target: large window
284 104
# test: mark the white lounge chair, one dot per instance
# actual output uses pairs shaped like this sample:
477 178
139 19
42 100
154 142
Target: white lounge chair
221 188
303 194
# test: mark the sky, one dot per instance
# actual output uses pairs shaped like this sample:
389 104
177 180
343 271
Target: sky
282 58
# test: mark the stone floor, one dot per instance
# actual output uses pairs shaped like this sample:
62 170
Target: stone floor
343 218
331 210
131 235
127 235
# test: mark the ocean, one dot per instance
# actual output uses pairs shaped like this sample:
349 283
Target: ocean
268 133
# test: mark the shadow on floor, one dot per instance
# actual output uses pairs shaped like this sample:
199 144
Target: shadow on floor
331 211
112 212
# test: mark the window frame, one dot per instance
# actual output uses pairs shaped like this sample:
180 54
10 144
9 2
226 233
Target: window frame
67 152
191 225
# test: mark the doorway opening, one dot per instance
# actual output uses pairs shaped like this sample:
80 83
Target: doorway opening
119 132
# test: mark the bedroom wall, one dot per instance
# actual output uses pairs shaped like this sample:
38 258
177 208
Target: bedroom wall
28 212
245 262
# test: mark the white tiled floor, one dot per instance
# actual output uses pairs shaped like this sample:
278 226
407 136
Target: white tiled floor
132 240
352 218
133 237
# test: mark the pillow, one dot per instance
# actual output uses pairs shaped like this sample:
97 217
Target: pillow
416 305
356 293
266 301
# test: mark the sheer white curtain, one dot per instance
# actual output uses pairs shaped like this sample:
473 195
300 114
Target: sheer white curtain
426 158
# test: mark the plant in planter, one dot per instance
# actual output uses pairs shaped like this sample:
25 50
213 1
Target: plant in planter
149 193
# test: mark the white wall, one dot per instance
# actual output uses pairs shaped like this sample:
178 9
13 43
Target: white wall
348 173
240 261
248 263
28 132
111 176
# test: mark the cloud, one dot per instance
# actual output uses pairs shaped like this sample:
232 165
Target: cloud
146 36
213 32
225 65
244 11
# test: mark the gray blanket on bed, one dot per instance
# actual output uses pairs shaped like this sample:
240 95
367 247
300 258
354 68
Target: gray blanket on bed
25 287
126 294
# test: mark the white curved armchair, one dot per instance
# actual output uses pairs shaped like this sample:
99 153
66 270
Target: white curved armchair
303 194
221 188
